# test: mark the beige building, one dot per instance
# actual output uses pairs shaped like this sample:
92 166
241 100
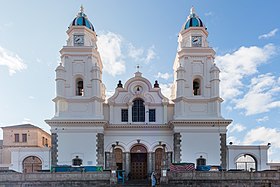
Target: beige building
25 148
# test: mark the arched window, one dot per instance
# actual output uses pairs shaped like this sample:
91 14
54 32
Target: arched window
79 87
246 162
31 164
138 111
196 87
77 161
201 161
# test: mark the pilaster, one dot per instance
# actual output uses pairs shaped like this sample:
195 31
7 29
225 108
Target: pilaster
150 163
54 149
100 149
223 149
177 147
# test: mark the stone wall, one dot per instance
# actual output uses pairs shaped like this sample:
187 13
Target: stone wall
55 179
102 179
225 179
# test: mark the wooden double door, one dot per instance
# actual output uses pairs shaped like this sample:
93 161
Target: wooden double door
138 162
31 164
138 165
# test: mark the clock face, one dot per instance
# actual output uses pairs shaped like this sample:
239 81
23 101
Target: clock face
79 40
196 41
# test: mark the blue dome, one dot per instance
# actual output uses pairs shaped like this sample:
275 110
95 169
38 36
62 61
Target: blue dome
82 20
193 20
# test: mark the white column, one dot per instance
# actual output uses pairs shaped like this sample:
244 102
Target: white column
127 163
146 112
165 112
111 120
130 112
150 163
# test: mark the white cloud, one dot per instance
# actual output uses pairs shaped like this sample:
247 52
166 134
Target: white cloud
31 97
26 121
236 127
261 95
269 35
138 54
263 135
240 64
151 54
110 48
166 89
233 139
135 53
11 60
109 93
208 14
165 76
263 119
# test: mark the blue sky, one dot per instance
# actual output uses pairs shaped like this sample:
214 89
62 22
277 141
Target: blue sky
245 35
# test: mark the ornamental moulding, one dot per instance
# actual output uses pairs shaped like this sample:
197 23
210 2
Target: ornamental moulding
201 122
74 122
137 126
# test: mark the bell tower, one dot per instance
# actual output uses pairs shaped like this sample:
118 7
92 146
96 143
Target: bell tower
78 124
196 77
80 92
197 121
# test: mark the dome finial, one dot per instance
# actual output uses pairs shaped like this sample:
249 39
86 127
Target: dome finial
192 11
82 9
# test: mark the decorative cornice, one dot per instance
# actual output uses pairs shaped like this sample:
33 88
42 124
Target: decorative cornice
197 99
204 123
82 99
57 122
138 126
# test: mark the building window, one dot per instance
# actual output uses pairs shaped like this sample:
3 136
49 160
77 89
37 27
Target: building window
46 144
124 115
24 137
77 161
43 141
138 111
196 87
152 115
201 161
79 87
16 137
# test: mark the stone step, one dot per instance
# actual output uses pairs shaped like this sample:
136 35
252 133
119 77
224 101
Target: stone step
142 183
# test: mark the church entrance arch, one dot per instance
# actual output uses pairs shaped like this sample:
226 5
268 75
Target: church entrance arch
138 155
31 164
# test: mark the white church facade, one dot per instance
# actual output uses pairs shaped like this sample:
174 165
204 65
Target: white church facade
142 128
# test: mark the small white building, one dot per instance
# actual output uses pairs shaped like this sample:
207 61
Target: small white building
138 124
26 148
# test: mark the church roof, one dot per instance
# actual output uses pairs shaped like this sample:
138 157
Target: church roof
193 20
82 20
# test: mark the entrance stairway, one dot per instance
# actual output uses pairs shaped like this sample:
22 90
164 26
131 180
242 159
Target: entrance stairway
136 182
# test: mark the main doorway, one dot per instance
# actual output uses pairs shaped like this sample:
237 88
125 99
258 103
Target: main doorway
138 162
